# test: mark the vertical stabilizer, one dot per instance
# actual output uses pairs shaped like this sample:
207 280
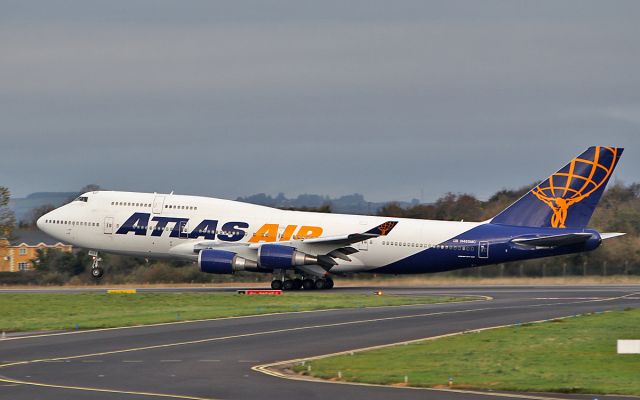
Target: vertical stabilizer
567 198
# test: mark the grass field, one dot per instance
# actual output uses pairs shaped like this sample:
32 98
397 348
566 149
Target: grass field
390 281
576 355
35 311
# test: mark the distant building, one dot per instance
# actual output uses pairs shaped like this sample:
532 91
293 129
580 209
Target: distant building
18 253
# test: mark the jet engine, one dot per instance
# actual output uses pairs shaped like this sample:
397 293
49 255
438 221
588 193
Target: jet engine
224 262
274 256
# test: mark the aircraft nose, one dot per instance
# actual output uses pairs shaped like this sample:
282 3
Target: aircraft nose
40 222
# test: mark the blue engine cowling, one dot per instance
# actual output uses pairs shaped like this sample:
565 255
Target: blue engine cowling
274 256
223 262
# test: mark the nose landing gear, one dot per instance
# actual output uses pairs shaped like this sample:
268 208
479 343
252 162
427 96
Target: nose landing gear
96 270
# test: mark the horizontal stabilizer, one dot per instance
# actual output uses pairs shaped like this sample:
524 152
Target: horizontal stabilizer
609 235
554 240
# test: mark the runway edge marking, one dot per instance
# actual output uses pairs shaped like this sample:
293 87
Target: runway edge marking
267 368
477 296
149 394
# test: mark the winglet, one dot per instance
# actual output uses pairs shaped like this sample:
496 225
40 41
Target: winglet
383 229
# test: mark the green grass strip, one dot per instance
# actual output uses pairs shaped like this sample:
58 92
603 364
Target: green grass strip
573 355
36 311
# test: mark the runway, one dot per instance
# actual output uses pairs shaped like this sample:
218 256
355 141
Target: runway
213 359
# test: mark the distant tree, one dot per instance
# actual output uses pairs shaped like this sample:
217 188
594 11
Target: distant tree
7 217
325 208
35 214
92 187
450 207
393 209
53 260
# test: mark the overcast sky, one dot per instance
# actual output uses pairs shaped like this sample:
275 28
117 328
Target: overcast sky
384 98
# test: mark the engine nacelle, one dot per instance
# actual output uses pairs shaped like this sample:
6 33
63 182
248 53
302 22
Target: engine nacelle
274 256
224 262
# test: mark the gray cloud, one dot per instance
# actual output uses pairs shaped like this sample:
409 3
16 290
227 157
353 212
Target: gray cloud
386 99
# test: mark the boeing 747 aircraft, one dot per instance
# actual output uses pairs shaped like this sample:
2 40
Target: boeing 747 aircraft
303 249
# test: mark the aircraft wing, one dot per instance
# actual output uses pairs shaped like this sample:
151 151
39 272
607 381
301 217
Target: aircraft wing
380 230
566 239
343 240
326 248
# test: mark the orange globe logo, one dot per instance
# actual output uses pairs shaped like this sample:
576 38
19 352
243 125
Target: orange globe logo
575 182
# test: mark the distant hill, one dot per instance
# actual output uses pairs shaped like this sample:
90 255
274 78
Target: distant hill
22 206
349 204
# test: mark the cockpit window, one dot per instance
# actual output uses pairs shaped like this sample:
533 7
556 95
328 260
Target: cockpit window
82 198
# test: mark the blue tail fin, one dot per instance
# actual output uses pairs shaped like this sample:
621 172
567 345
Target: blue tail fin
567 198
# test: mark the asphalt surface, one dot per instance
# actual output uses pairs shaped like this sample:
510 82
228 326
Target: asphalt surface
213 359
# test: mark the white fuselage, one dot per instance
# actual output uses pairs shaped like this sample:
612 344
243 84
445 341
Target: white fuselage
168 225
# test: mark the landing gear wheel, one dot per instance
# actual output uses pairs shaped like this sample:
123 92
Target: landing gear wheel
287 284
320 284
276 284
308 284
297 284
97 272
328 283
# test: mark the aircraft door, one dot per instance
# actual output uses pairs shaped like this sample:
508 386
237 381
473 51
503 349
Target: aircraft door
108 225
184 230
158 204
483 250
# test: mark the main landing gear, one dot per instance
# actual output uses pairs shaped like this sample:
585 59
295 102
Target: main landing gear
306 283
96 270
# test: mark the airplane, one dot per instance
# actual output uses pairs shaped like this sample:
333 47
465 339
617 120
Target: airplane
304 249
